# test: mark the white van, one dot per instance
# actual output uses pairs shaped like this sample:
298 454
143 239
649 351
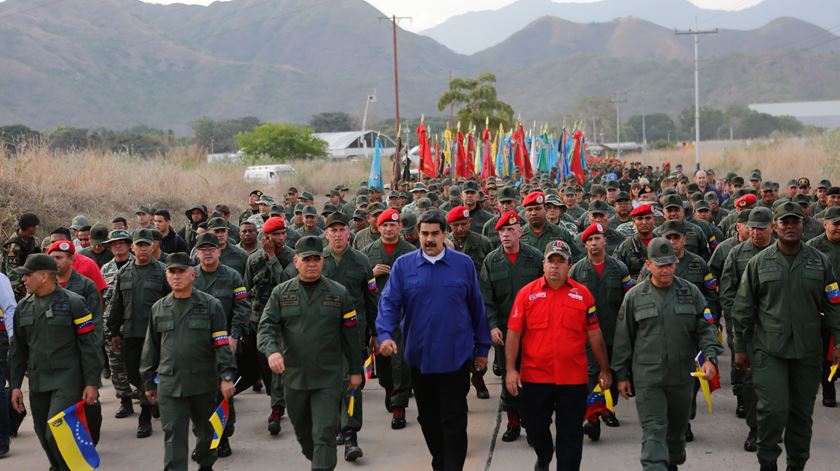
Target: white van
267 173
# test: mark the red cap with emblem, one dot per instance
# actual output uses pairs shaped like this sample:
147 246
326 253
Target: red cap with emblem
536 197
746 201
592 229
389 215
62 246
457 213
510 218
642 210
273 224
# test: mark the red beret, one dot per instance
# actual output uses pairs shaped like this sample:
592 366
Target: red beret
642 210
62 246
536 197
746 200
510 218
457 213
592 229
273 224
389 215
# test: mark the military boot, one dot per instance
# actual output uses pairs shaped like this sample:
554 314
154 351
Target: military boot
274 420
750 443
592 428
224 448
352 452
398 418
144 423
126 408
689 435
480 388
514 428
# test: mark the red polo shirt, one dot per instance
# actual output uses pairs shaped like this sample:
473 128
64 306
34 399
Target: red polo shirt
554 325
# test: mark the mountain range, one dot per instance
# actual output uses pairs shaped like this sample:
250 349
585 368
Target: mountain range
471 32
118 63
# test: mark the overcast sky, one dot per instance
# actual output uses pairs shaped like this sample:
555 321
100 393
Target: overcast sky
428 13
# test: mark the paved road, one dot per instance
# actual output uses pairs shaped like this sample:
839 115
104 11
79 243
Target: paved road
718 443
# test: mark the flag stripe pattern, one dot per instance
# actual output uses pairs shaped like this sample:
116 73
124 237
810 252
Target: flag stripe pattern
350 319
240 293
832 292
217 422
220 338
371 284
84 324
70 431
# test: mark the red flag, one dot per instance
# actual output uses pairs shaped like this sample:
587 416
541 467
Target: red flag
520 156
461 158
487 169
578 151
470 155
426 164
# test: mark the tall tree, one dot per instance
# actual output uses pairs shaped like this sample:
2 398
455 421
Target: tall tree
218 135
476 100
334 122
278 142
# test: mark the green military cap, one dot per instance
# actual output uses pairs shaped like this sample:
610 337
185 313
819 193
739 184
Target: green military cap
711 197
333 192
343 188
760 217
292 191
825 184
434 187
362 200
833 214
433 196
179 260
739 193
435 180
266 200
360 214
143 235
143 210
672 201
409 220
454 192
670 191
788 209
158 236
612 185
329 208
692 188
622 196
394 195
208 238
597 190
447 181
673 227
362 191
767 186
216 223
98 234
197 206
308 246
336 218
118 234
470 185
276 210
418 187
222 208
79 222
702 205
755 175
554 200
729 176
802 199
375 208
363 183
792 183
599 207
310 211
424 203
37 262
507 193
743 217
569 190
375 189
661 252
736 180
307 196
696 196
299 208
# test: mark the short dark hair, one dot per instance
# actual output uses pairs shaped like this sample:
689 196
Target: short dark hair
432 216
84 229
164 213
245 223
63 231
119 219
28 220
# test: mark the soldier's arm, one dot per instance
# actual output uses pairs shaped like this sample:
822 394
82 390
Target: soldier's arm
728 286
486 288
249 273
831 304
241 320
744 308
150 357
705 252
225 361
350 336
276 268
89 343
18 356
623 341
707 341
371 298
710 292
270 329
115 316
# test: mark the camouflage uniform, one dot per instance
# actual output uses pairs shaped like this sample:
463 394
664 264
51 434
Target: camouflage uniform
119 374
15 251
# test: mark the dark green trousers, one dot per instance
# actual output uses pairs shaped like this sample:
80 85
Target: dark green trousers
508 402
45 405
175 416
785 392
594 370
347 421
664 413
312 413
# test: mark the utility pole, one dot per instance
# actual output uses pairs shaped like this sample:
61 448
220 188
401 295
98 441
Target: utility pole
370 99
616 99
696 33
394 19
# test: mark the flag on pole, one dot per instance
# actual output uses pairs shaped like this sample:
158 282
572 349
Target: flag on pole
375 179
706 385
596 405
461 169
369 367
520 157
72 435
218 421
427 165
486 155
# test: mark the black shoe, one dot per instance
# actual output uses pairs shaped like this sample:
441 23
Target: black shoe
340 438
512 433
740 409
794 468
274 420
205 468
352 452
155 411
592 430
126 408
398 419
224 448
496 370
672 467
388 405
480 388
193 456
144 429
539 467
769 467
749 443
528 440
689 435
4 449
829 402
610 420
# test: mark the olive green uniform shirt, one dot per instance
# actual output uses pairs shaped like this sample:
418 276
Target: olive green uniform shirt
364 238
632 253
608 290
695 270
550 233
100 258
15 251
136 290
475 246
229 289
501 280
378 255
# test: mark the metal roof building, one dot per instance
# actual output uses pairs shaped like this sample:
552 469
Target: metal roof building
817 113
345 145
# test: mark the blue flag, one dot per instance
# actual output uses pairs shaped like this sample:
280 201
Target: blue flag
375 180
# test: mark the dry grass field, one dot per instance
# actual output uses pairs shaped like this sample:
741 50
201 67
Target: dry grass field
58 186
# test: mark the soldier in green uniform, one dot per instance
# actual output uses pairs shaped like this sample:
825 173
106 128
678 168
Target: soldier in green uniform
223 283
573 210
598 213
394 374
231 255
139 285
196 214
607 279
97 250
186 364
17 249
253 208
777 310
810 226
696 241
503 273
56 345
470 197
310 222
633 251
312 350
718 259
623 207
371 233
4 372
660 329
539 232
263 272
505 201
760 230
829 244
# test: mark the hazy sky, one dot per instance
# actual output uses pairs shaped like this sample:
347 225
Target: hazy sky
431 12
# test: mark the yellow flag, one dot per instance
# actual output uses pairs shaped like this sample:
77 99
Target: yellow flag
704 386
607 398
351 405
832 372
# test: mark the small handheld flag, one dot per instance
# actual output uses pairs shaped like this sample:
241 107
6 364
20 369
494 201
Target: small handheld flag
351 404
705 385
218 421
369 367
607 397
596 405
832 372
70 430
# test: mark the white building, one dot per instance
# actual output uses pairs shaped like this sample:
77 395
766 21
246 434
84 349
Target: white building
818 113
352 144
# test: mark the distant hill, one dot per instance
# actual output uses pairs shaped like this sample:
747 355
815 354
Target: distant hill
471 32
118 63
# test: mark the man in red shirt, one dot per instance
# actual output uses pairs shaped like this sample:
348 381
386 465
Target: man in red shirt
552 319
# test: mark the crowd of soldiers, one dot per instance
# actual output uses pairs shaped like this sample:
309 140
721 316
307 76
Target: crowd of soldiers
748 257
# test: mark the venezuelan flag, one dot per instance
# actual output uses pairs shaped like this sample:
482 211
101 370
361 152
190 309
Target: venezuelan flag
591 316
713 243
372 284
596 405
220 338
627 283
832 292
218 421
84 324
240 293
2 322
70 430
710 282
349 319
369 367
707 314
